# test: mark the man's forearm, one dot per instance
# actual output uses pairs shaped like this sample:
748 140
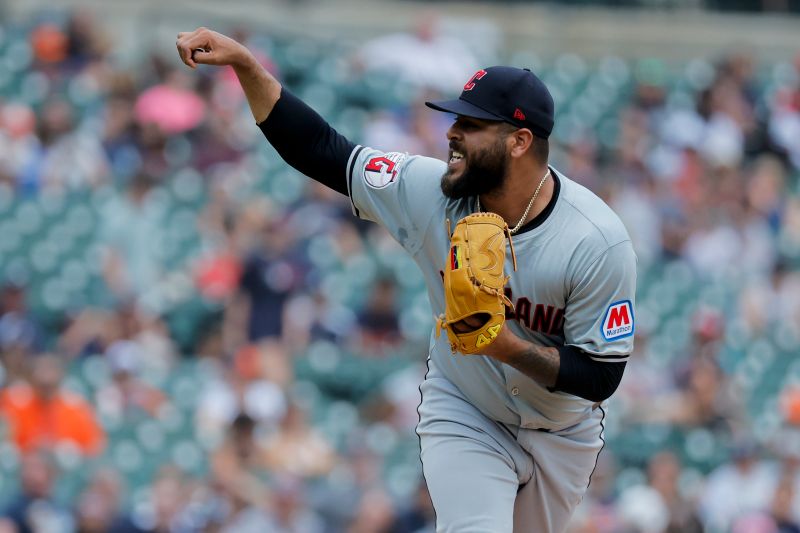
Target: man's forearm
260 87
564 369
540 363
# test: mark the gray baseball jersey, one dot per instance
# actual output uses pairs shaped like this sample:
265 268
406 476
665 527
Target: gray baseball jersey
574 285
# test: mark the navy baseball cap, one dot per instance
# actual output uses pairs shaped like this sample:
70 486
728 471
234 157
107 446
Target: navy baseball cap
508 94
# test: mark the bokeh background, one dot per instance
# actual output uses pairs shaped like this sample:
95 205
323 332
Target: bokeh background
195 338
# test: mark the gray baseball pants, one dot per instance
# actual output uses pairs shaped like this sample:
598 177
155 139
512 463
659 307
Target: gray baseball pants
486 477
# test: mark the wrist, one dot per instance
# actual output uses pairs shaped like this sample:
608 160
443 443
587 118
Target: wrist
507 346
245 63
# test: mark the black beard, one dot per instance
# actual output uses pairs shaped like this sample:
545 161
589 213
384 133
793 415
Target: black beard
485 173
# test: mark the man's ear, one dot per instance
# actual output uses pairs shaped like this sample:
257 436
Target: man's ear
520 141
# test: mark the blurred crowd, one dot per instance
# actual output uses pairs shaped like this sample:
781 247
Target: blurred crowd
306 330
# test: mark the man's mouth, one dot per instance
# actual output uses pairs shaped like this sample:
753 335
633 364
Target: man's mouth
455 157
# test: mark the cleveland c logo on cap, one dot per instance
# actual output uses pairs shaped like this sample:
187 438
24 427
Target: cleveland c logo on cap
475 77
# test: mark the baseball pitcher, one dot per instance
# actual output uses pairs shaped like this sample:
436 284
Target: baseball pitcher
530 276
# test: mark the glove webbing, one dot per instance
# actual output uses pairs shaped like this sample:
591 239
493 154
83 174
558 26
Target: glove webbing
507 231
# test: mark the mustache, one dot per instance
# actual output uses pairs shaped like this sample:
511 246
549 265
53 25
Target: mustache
456 148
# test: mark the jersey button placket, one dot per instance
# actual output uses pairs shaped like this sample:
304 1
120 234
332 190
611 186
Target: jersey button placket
515 391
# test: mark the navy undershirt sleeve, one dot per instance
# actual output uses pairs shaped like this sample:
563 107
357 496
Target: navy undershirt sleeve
307 142
585 377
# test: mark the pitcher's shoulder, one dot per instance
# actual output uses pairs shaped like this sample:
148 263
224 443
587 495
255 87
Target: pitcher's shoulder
590 215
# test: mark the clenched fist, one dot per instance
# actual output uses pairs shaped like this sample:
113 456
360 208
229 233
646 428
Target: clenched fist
207 47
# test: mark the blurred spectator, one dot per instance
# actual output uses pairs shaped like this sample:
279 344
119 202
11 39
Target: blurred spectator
127 397
315 317
41 414
92 331
634 203
766 189
98 508
297 448
358 471
772 300
18 141
222 141
172 106
734 490
659 506
120 138
167 498
425 57
410 129
708 398
580 162
68 157
271 272
218 276
239 462
784 123
778 516
34 509
319 212
704 397
783 504
86 40
641 510
292 512
664 471
239 466
374 514
157 350
378 320
130 228
419 516
49 43
267 360
20 334
789 402
386 131
241 389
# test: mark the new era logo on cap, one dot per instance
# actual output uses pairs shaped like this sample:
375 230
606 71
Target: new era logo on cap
507 94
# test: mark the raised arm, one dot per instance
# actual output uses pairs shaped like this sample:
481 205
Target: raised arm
301 137
206 47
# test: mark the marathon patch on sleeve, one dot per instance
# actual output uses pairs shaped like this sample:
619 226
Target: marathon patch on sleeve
381 171
618 321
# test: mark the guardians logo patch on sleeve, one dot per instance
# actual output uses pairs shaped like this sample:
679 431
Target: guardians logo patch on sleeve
618 321
382 170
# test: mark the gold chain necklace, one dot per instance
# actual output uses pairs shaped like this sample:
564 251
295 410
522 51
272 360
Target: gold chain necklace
527 209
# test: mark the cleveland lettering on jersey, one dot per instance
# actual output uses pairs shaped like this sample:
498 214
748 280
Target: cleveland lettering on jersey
537 317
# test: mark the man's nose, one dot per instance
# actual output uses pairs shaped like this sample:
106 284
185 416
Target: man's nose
453 132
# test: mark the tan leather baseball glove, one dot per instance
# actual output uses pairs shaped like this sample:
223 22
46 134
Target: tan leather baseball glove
474 282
